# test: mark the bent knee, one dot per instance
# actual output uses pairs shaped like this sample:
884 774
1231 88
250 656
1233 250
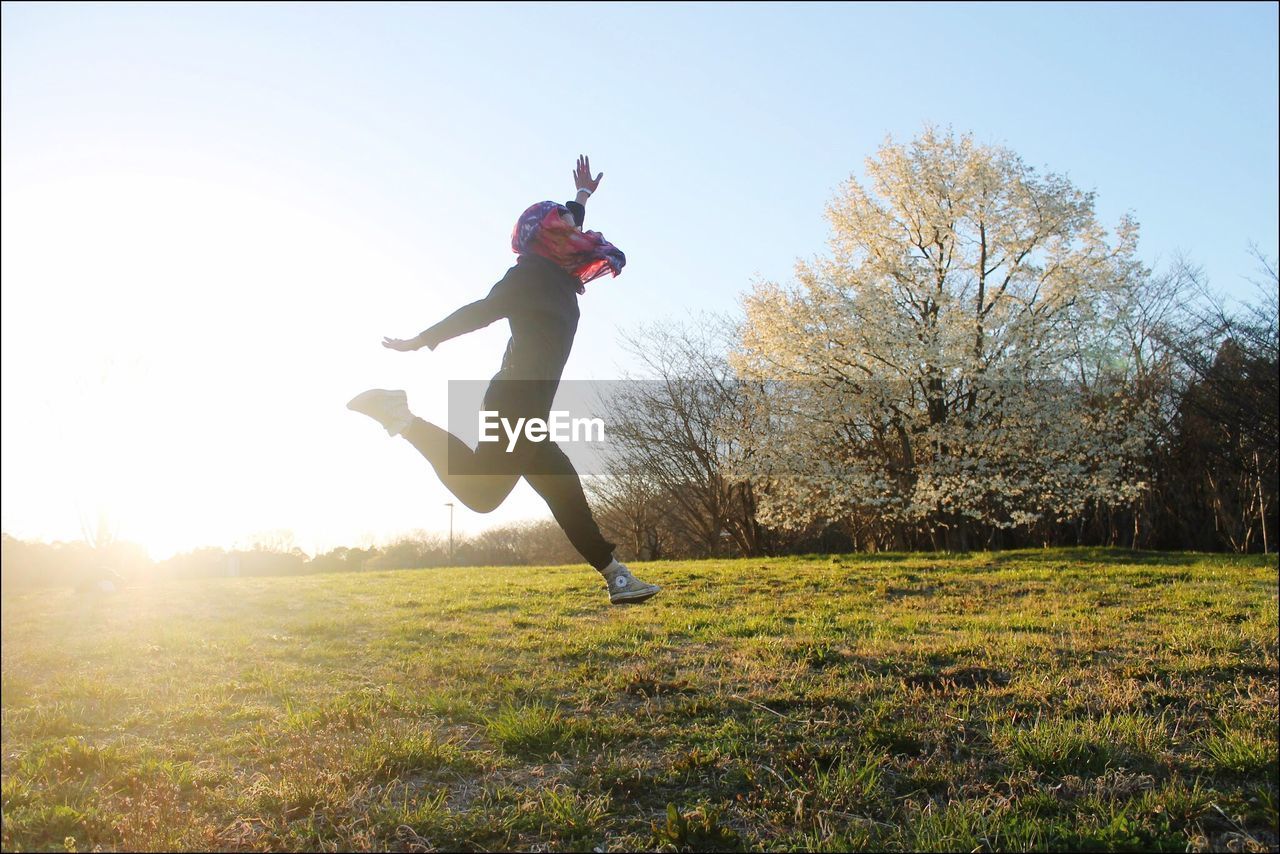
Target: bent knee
484 493
483 506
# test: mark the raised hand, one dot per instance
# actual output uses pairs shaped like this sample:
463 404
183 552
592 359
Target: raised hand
582 179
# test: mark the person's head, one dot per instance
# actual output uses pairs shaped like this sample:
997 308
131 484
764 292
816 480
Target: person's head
548 229
540 222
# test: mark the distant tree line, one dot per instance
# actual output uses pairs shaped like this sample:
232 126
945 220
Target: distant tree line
80 565
978 364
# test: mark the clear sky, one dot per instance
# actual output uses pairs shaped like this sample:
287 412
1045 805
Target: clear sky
213 213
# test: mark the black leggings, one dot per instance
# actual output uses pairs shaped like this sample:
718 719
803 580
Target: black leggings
483 478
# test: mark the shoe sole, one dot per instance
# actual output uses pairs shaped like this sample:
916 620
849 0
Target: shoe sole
634 598
357 404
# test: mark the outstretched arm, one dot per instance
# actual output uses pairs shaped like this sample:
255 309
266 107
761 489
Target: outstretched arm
469 318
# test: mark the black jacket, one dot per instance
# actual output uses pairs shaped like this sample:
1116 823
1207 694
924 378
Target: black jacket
540 300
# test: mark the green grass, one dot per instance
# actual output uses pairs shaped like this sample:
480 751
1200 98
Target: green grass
1083 699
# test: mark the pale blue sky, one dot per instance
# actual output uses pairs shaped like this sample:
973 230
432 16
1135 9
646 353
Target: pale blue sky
214 212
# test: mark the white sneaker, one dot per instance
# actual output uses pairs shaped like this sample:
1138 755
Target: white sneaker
625 588
388 408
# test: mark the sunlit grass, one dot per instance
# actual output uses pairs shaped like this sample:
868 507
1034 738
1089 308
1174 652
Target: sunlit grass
1078 699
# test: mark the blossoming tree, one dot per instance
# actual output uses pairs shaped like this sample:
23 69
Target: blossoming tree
951 367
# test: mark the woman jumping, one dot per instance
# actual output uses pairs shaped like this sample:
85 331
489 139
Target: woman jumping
539 297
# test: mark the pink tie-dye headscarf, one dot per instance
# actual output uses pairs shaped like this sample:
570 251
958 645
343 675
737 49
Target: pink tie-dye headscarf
585 255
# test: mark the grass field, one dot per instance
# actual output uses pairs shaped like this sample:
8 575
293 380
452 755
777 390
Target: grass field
1077 699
